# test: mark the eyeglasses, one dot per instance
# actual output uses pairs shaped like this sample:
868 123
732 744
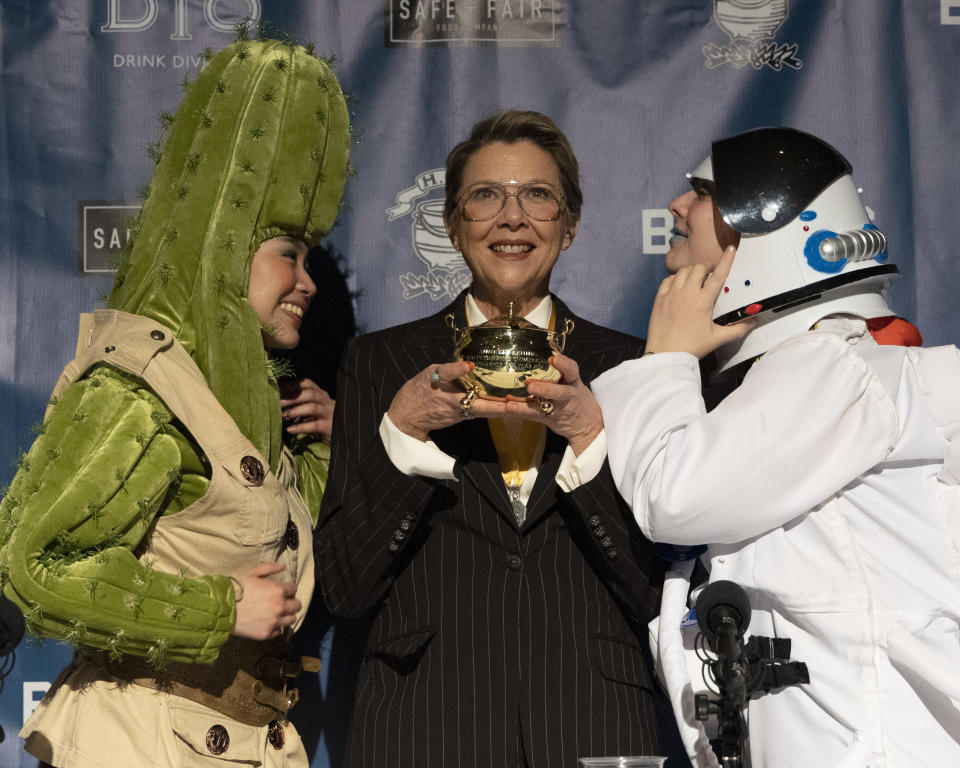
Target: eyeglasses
538 200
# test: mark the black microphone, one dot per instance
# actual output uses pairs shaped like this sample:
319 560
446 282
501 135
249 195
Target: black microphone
723 613
11 625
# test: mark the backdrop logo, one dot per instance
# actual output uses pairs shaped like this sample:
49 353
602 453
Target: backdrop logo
751 25
140 15
104 231
512 22
950 11
447 273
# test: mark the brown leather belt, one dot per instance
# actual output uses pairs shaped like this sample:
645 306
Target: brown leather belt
250 681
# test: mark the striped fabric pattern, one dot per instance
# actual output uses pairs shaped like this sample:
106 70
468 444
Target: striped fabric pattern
485 636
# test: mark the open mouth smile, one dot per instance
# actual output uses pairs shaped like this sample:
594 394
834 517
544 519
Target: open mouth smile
511 249
293 309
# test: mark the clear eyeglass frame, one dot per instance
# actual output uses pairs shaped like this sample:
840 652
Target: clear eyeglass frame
520 191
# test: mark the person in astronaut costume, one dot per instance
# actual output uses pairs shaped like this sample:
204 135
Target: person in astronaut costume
825 484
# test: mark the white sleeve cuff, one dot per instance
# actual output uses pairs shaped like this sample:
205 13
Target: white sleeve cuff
578 470
413 457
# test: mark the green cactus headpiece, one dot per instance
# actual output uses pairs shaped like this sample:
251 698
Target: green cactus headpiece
258 148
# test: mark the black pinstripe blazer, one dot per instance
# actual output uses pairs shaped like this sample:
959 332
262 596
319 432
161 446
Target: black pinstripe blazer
487 638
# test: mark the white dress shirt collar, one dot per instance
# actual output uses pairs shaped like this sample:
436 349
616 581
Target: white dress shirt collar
539 315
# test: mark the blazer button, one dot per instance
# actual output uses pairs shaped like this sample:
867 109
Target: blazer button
606 541
399 535
594 521
393 546
599 531
514 562
612 554
404 525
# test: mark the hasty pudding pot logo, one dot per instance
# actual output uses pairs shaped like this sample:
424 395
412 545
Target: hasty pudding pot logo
447 274
752 26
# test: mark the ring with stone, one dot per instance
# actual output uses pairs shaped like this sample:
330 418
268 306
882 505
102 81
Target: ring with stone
546 406
435 378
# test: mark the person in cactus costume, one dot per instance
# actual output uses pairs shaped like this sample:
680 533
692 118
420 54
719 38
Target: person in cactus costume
159 522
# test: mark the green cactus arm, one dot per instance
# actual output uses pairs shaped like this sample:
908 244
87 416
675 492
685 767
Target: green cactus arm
105 464
312 459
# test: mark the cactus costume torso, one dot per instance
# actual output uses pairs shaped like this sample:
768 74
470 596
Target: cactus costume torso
247 515
160 466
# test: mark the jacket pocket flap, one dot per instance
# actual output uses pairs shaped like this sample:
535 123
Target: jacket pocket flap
214 735
623 661
404 646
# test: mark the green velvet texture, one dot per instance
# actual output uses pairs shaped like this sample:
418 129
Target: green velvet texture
85 496
312 459
258 148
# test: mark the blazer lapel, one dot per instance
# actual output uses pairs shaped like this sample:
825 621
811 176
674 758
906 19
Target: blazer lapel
586 346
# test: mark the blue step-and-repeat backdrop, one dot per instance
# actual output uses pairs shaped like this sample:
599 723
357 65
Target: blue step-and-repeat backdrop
639 86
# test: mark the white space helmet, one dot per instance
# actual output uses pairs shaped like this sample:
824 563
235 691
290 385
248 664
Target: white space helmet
807 248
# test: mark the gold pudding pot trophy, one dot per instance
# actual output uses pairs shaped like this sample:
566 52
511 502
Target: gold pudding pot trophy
507 351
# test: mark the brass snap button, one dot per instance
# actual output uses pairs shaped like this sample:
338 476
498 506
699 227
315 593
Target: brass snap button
218 739
252 470
275 734
292 536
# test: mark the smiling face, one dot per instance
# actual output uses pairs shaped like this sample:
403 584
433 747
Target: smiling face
694 237
280 290
510 256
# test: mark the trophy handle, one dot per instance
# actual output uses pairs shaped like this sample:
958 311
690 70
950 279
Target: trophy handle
460 335
568 325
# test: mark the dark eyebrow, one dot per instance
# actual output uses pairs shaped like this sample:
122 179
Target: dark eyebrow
705 184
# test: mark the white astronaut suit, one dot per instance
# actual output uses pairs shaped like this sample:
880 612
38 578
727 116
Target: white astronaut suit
826 485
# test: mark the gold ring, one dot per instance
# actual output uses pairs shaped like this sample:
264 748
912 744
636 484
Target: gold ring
546 406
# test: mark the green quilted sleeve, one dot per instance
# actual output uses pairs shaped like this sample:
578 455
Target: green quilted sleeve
105 464
312 459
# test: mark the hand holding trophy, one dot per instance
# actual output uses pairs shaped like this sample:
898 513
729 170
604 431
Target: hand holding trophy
506 352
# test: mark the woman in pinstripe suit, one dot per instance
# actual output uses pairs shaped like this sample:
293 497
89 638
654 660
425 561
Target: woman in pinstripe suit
509 586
